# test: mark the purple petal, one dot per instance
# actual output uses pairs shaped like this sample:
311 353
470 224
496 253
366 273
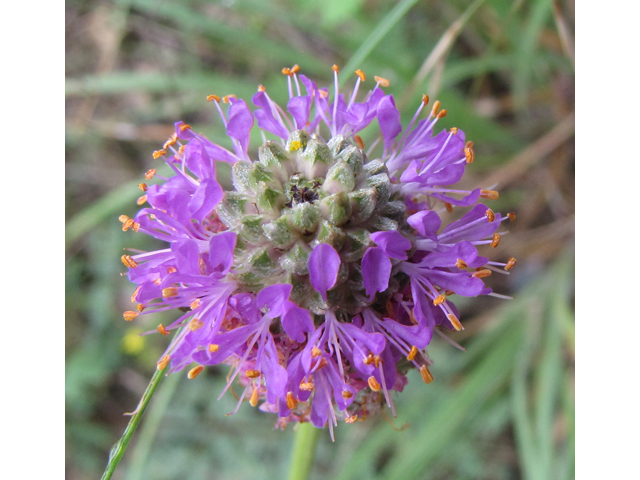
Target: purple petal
392 243
296 322
299 108
464 202
187 256
376 268
274 299
275 374
461 283
266 118
463 250
426 222
240 122
221 247
389 120
324 263
474 225
205 199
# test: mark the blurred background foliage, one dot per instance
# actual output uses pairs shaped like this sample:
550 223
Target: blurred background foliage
503 69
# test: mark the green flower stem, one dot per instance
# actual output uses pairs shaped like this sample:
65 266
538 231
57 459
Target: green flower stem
304 448
117 451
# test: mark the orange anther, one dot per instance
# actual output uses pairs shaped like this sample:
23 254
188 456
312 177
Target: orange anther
425 99
412 317
295 68
511 216
292 402
323 93
361 75
210 98
351 419
496 240
439 300
368 360
469 144
490 194
511 263
123 218
128 261
490 215
373 384
347 394
426 374
255 396
195 304
195 371
262 88
157 281
436 108
135 294
143 187
287 71
306 386
141 200
377 360
359 141
150 173
172 269
130 315
448 293
195 324
412 353
171 141
455 322
335 68
469 154
383 82
252 373
169 292
390 309
163 330
448 206
213 348
461 264
127 224
226 98
442 113
184 127
164 361
158 153
140 307
315 352
454 130
485 272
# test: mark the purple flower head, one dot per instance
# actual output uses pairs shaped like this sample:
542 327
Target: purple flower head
325 270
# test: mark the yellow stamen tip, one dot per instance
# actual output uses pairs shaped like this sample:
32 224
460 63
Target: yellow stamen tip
164 361
373 384
455 322
129 315
194 372
426 374
383 82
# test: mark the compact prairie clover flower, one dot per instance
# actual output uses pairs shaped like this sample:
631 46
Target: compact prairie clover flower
323 275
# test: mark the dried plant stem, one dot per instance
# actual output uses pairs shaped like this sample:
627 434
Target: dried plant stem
117 451
304 447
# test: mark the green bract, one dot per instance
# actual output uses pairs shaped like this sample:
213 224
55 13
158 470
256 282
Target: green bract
297 196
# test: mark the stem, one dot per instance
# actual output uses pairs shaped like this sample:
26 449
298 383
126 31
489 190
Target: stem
117 451
304 448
